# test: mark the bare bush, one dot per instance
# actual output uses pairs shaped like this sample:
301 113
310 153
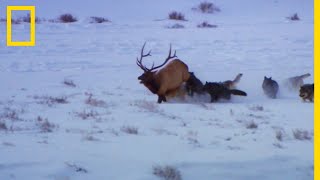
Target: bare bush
130 130
176 26
302 134
87 114
207 7
206 25
50 101
95 102
67 18
95 19
167 172
44 125
251 125
294 17
69 83
174 15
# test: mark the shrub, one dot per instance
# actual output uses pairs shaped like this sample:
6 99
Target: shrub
95 19
294 17
252 125
206 25
301 134
207 7
3 126
167 172
174 15
279 135
67 18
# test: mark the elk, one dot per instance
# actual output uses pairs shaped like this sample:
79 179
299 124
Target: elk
165 80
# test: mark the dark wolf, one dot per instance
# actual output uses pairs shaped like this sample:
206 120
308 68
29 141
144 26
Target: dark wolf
194 85
219 90
270 87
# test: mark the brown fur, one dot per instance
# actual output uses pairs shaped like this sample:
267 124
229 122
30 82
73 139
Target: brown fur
232 84
166 80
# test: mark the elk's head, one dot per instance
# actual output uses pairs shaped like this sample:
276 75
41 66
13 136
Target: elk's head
147 78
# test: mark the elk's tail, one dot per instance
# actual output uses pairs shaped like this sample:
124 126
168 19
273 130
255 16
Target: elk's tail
238 92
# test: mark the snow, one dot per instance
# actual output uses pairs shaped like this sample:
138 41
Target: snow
200 139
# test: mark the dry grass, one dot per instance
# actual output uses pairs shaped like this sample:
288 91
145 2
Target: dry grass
77 168
44 125
167 172
206 25
27 19
99 20
147 106
130 130
176 26
50 101
94 102
84 115
174 15
69 83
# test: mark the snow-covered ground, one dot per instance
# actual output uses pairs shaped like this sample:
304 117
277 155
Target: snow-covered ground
110 127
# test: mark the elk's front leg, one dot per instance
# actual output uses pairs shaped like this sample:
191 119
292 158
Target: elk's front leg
161 98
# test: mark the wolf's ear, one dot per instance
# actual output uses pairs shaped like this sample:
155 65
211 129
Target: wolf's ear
265 77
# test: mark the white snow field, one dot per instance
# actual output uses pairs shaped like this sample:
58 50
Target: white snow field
108 126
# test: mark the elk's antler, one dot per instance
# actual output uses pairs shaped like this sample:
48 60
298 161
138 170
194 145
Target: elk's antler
139 61
168 58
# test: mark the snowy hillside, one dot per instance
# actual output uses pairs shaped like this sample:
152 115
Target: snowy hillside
72 108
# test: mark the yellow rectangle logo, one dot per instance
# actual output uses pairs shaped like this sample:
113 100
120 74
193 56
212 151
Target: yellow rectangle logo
32 10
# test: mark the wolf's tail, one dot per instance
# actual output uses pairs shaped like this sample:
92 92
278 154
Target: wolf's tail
238 92
237 79
305 75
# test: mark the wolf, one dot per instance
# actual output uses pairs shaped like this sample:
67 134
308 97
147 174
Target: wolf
231 84
306 92
194 85
294 83
219 90
270 87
